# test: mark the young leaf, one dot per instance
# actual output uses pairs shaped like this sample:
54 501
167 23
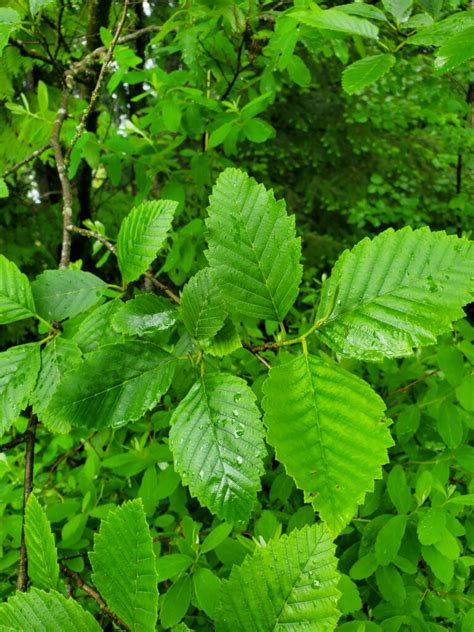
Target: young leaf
60 294
217 442
16 299
38 611
115 384
253 249
389 539
141 236
19 368
57 358
10 20
175 602
145 314
3 189
362 73
123 565
289 584
327 428
202 306
224 342
43 568
395 292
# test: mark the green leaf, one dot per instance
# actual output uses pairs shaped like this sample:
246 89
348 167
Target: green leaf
40 611
16 299
224 342
3 185
19 368
455 51
57 358
449 424
217 442
258 131
366 71
96 329
465 393
364 567
289 584
395 292
170 566
141 236
363 11
398 490
441 566
389 539
335 20
253 249
60 294
400 9
9 22
115 384
391 584
431 526
145 314
350 600
217 535
207 587
43 568
123 566
37 5
442 31
175 602
202 306
327 427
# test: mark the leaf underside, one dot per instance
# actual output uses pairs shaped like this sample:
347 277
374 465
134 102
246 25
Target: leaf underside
327 427
395 292
288 585
253 249
217 442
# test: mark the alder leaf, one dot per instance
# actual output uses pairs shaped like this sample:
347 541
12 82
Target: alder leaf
289 584
455 51
202 306
96 329
57 358
145 314
19 368
16 299
216 438
115 384
43 568
60 294
362 73
124 566
40 611
395 292
141 236
327 427
253 249
335 20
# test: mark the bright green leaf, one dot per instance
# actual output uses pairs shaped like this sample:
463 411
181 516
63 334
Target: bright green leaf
217 442
395 292
175 602
9 22
328 429
43 569
145 314
169 566
366 71
335 20
202 306
430 528
289 584
207 587
123 565
19 368
253 249
455 51
389 539
141 236
16 299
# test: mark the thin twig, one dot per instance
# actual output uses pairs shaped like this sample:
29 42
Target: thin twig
26 160
94 235
22 46
14 442
62 172
22 581
238 68
98 85
163 288
80 583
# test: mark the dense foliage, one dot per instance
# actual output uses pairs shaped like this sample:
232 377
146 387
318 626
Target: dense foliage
236 383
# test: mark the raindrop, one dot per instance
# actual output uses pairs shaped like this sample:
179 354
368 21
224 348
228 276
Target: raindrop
316 582
238 432
240 460
237 397
235 412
